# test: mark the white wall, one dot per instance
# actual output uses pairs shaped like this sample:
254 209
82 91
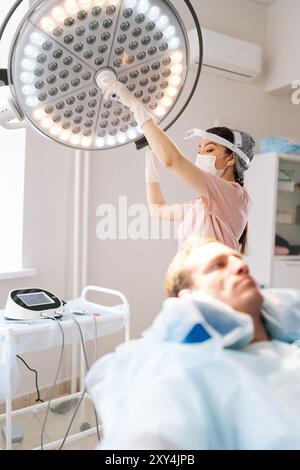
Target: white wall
283 45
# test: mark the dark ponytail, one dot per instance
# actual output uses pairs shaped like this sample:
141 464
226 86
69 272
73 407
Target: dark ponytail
227 134
243 241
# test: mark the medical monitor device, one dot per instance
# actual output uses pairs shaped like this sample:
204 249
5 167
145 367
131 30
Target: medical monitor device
31 304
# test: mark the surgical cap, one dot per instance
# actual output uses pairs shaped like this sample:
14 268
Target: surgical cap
246 144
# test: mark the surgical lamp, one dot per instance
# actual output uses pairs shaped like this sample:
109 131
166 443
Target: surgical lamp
64 50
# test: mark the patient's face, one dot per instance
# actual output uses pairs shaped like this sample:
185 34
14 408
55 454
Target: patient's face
222 273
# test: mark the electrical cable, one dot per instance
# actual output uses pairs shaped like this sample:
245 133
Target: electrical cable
36 379
83 393
56 377
95 359
72 420
82 342
87 365
95 337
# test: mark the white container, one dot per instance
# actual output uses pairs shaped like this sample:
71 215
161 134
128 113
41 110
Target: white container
286 186
284 218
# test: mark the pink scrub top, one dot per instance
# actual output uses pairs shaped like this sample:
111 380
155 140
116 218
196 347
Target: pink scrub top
223 215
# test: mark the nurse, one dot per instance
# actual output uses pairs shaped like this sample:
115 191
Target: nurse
221 207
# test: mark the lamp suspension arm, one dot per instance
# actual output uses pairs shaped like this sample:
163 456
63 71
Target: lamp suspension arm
142 142
3 72
8 17
7 107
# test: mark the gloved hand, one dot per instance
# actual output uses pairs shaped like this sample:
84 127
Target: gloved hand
151 172
119 92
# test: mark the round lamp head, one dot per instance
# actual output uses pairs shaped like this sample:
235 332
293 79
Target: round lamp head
63 48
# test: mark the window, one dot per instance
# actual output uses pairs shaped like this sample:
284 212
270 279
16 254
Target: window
12 159
12 163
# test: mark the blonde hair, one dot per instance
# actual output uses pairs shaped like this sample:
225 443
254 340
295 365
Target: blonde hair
179 274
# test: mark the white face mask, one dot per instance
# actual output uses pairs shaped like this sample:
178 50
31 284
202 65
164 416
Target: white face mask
208 163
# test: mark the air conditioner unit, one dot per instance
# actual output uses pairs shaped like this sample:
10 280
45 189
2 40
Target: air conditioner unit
227 57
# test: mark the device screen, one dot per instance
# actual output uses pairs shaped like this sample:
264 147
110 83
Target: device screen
36 298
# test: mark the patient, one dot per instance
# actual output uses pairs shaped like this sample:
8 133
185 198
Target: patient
206 266
207 374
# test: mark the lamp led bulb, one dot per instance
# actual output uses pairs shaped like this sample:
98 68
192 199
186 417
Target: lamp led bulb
177 57
26 77
160 111
65 136
121 138
162 22
114 2
39 114
71 6
143 6
55 130
27 64
28 90
37 39
175 81
132 134
85 3
172 92
32 101
130 3
59 14
100 142
46 123
75 139
169 32
177 69
166 102
47 24
111 141
31 51
154 13
174 43
86 141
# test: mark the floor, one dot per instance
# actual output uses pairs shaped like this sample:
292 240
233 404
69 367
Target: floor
59 417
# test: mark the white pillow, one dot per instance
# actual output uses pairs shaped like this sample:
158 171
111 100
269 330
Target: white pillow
281 313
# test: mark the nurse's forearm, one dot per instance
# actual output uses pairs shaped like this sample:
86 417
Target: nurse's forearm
171 157
163 147
155 198
158 208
